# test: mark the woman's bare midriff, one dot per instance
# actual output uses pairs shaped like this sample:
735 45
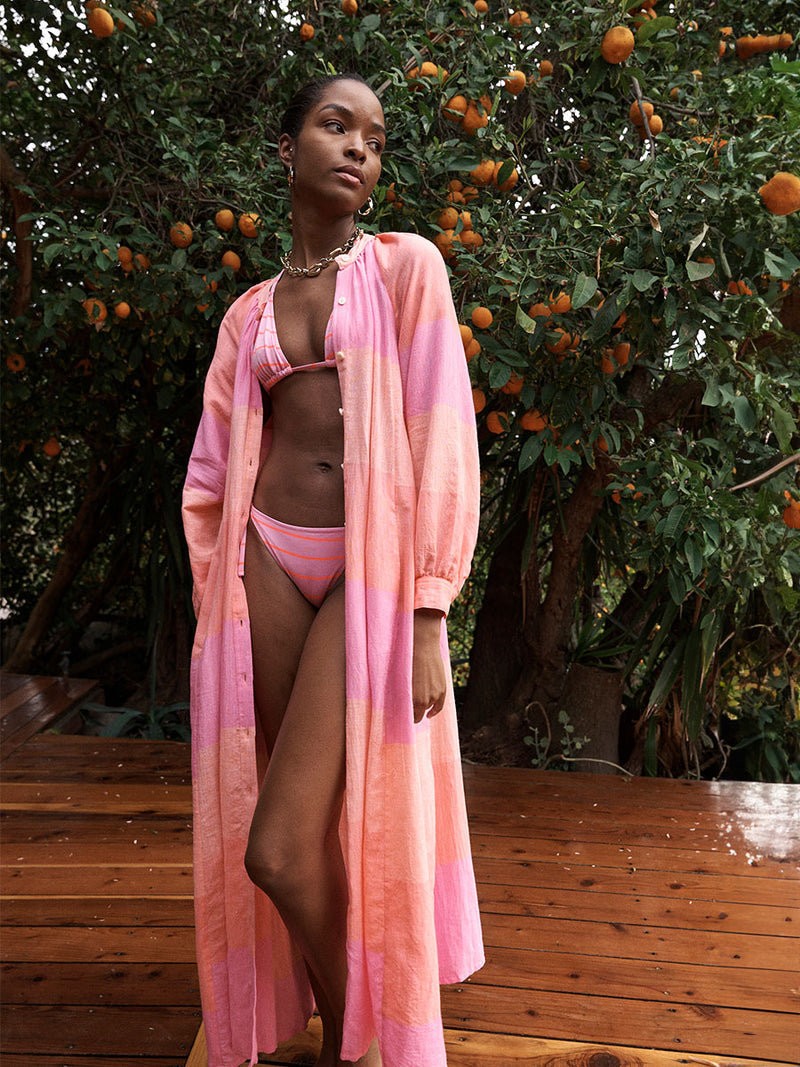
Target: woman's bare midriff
301 481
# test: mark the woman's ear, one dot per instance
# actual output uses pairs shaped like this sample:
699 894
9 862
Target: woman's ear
286 149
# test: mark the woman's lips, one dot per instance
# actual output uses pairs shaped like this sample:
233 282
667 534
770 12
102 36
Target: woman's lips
351 179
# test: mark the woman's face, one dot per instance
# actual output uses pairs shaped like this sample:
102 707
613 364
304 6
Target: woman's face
337 154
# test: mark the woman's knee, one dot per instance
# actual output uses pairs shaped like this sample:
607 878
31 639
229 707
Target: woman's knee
271 864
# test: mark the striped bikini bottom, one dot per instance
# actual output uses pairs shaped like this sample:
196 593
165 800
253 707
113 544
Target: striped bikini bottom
312 556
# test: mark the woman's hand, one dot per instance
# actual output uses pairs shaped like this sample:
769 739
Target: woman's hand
428 679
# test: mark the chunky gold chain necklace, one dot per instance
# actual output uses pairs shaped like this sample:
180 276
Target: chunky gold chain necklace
320 265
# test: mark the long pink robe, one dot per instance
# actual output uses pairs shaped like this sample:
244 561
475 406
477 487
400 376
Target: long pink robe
411 507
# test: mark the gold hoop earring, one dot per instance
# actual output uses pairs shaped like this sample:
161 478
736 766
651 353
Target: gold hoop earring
290 175
367 208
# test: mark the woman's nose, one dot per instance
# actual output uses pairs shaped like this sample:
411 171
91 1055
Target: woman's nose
357 149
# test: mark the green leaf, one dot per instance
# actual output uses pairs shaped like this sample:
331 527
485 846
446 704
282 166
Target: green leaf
784 426
697 271
743 413
677 587
51 251
531 451
712 397
697 240
674 523
653 26
370 23
782 267
643 279
694 556
605 318
583 291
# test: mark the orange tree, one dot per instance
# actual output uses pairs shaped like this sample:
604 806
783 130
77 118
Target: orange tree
596 196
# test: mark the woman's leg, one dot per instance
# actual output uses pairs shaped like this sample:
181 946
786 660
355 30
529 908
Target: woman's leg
294 853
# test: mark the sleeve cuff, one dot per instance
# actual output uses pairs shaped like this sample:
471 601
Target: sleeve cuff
437 593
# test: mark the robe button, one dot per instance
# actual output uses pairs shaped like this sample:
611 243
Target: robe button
342 300
341 411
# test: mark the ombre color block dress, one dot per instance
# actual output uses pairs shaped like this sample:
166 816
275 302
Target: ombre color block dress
411 510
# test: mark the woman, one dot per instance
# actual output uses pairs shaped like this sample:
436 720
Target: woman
338 531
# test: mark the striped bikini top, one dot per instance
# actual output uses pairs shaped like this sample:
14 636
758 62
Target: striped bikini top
270 365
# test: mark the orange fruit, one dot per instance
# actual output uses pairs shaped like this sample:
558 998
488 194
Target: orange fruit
466 223
533 420
560 304
350 7
230 259
95 310
51 447
100 22
481 7
15 362
144 14
224 219
497 422
469 192
248 224
621 353
472 349
482 318
478 400
393 198
635 112
125 256
537 310
448 219
566 340
519 18
306 31
470 239
674 92
617 44
141 260
466 334
510 181
545 68
739 288
791 515
444 242
122 310
181 234
656 124
781 194
513 386
455 108
483 173
515 82
473 119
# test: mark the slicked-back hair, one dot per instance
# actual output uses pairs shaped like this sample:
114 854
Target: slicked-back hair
304 99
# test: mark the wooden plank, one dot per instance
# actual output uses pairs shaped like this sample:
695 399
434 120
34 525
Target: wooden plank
133 850
468 1049
112 831
717 831
24 1060
42 708
624 941
579 853
66 758
707 1028
639 910
94 798
198 1057
690 794
79 880
708 886
15 689
641 979
98 944
94 911
43 1030
100 984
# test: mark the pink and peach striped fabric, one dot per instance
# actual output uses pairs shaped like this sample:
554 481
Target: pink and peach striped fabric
411 506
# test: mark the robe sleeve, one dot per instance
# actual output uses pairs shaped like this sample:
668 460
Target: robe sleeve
439 414
204 488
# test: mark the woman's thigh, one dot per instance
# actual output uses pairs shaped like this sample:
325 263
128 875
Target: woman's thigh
299 688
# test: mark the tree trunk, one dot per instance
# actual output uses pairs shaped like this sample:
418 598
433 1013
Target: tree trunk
88 527
497 652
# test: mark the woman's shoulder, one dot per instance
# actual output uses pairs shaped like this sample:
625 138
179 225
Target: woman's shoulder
242 304
401 254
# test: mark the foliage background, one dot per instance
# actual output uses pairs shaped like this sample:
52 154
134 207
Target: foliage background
684 593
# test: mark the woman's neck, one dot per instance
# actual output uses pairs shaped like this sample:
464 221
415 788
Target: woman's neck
314 237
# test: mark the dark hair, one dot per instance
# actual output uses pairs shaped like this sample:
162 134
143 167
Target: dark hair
305 98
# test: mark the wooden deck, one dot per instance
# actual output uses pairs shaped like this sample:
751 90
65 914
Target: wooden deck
641 922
